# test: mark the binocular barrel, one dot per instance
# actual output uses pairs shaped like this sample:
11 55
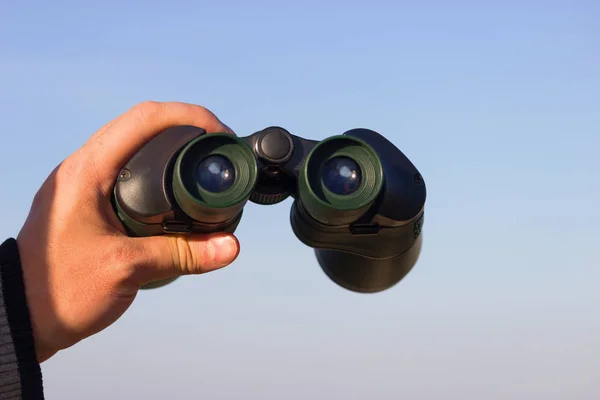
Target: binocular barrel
358 200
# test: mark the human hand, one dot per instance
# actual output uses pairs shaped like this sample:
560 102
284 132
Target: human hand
81 271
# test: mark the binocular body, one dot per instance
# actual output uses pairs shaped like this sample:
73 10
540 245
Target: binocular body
358 200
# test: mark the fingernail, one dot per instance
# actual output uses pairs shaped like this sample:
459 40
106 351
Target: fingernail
226 250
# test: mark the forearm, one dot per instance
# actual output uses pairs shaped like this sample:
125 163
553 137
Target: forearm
20 373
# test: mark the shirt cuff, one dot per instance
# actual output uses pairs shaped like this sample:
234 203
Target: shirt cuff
20 372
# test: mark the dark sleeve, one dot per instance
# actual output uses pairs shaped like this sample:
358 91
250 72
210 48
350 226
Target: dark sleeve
20 373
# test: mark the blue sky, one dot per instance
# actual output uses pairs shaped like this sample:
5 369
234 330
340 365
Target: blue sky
498 106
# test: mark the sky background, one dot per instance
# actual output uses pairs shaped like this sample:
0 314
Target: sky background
497 104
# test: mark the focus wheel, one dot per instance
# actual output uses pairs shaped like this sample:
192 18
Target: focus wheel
268 198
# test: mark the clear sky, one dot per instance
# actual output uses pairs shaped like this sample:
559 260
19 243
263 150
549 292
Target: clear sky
498 105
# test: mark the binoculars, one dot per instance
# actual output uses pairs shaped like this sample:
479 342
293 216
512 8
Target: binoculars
358 200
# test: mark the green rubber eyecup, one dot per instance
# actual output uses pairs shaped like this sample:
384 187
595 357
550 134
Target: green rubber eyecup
331 208
214 207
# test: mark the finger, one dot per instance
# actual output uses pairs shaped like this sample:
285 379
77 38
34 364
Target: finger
124 136
170 256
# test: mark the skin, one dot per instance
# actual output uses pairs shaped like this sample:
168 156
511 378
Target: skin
81 271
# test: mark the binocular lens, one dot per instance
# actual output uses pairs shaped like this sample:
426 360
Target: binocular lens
215 173
213 177
341 175
340 179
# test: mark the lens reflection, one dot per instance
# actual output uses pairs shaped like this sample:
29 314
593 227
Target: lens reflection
341 175
215 173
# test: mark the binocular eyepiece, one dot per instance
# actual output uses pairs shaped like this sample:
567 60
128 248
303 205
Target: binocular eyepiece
358 199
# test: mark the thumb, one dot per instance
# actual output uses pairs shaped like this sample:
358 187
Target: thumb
170 256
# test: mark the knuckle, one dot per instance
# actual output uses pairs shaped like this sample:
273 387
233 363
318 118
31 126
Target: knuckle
67 173
67 168
149 110
201 109
74 166
153 112
184 256
76 173
189 109
190 258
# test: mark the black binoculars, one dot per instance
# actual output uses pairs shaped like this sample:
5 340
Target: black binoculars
358 200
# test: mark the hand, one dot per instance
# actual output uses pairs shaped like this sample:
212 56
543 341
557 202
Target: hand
81 271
